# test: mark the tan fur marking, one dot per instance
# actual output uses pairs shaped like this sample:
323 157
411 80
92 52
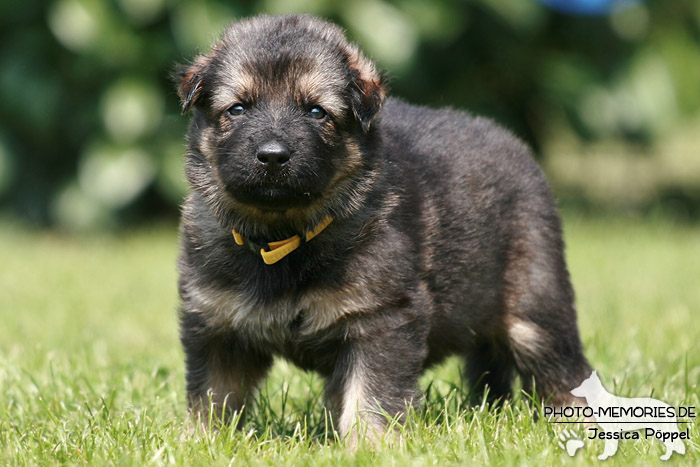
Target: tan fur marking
353 165
321 308
240 87
314 87
355 420
353 401
524 336
354 153
220 307
325 307
207 144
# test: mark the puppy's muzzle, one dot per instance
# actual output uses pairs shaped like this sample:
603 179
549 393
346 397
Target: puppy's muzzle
273 155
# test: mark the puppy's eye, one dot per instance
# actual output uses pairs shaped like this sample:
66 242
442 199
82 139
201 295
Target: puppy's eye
236 110
317 112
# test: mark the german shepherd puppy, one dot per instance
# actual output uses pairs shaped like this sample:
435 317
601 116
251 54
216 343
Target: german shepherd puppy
357 235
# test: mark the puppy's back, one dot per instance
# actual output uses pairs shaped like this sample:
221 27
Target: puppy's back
457 146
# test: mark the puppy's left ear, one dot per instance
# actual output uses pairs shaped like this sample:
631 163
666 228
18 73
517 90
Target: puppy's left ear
368 88
189 80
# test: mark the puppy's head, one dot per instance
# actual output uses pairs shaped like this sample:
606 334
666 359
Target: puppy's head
283 112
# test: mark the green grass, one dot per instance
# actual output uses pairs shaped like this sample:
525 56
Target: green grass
91 368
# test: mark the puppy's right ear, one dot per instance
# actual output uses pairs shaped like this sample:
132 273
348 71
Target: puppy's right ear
189 81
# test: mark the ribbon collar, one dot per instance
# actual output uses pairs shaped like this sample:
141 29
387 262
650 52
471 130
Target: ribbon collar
275 251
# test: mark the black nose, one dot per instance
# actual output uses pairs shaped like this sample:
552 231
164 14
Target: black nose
273 155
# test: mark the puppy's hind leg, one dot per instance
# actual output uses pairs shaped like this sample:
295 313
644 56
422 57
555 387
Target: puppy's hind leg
540 318
548 355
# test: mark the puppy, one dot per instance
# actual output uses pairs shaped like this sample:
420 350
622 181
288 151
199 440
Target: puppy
357 235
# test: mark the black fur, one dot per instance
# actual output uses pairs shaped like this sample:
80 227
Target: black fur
445 239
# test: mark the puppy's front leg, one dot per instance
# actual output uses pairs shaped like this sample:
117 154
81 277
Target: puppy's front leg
220 369
376 375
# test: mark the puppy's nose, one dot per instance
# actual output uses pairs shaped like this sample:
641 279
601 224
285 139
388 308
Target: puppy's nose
273 155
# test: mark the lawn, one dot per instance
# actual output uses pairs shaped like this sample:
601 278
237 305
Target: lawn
91 368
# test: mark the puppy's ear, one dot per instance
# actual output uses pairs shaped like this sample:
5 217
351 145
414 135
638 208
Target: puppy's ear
368 88
189 81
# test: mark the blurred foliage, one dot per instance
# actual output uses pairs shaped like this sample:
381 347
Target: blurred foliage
91 133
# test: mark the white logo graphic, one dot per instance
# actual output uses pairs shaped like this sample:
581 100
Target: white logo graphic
621 417
569 443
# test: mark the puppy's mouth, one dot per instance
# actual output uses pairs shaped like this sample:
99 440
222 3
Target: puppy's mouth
275 198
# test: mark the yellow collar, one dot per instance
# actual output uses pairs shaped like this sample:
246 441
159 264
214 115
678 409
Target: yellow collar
279 249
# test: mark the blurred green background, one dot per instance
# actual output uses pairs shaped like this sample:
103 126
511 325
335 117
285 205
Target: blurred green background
91 135
91 139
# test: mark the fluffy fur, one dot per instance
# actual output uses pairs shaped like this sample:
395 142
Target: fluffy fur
445 239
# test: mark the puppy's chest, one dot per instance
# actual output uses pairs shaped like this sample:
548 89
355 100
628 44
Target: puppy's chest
278 322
